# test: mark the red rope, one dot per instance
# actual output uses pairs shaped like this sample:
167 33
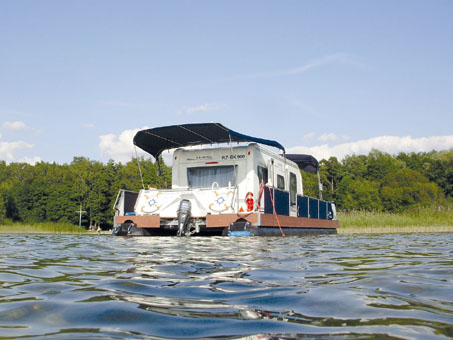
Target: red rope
275 212
258 202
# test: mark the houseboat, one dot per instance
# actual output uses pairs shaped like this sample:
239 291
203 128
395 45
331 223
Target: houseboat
223 183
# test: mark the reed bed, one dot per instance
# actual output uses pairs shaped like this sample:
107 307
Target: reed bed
394 230
42 228
433 219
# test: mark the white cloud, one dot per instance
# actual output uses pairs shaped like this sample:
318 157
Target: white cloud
88 126
8 150
389 144
202 108
14 126
29 160
328 137
120 148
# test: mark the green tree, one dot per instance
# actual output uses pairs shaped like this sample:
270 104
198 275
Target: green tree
355 165
61 205
2 209
358 194
3 190
129 176
310 184
380 164
406 188
6 191
100 195
332 172
441 171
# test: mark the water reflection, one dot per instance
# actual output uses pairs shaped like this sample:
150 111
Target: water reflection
340 286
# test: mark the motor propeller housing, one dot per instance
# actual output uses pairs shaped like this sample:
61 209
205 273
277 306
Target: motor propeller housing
184 214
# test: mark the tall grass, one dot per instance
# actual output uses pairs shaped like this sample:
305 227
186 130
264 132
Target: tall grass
428 219
436 218
41 228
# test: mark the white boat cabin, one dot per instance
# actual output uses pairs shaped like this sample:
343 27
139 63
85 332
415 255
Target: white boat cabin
223 180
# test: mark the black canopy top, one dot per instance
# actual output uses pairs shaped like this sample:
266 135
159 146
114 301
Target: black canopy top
157 140
305 162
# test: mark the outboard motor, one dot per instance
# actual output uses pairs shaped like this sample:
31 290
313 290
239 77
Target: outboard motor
184 215
118 231
122 229
128 229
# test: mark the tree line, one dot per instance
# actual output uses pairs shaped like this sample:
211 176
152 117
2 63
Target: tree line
382 182
50 192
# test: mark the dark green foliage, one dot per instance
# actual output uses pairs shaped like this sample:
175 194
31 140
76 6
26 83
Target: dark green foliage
3 191
381 182
332 172
406 188
442 171
310 184
48 192
2 209
359 194
380 164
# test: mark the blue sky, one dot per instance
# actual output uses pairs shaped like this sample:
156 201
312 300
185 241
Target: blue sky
78 78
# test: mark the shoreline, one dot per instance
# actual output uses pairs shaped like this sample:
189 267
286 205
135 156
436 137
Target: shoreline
30 230
394 230
42 228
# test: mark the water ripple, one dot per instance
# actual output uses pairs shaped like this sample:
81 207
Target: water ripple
337 286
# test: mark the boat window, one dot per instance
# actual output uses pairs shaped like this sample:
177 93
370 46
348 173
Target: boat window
292 188
204 177
262 175
280 182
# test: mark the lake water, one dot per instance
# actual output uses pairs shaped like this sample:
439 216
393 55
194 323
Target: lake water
393 286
